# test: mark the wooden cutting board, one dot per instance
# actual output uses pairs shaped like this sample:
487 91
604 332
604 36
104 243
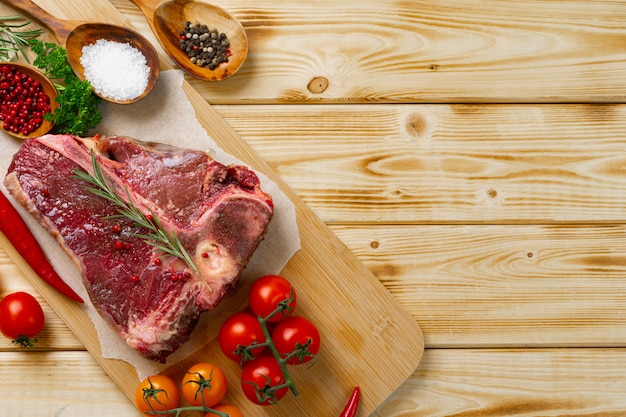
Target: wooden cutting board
367 338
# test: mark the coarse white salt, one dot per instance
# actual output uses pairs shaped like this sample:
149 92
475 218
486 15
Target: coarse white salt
115 70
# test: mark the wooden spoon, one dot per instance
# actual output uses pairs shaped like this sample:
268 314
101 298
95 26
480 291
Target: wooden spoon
73 35
167 19
48 89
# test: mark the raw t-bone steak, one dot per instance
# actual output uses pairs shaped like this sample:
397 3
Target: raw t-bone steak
219 213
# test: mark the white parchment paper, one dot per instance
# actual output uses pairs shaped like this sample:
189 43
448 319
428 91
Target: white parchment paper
166 116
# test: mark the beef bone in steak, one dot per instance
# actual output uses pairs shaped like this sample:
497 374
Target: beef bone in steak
219 213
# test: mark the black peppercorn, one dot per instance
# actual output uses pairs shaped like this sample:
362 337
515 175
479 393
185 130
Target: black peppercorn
206 47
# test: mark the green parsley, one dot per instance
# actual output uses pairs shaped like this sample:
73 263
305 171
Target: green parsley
79 107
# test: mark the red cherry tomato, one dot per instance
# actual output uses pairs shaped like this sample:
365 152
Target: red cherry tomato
238 332
296 334
21 318
270 292
258 379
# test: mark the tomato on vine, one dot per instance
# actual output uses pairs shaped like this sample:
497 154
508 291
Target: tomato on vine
237 336
272 295
156 393
262 380
296 339
269 339
21 318
204 384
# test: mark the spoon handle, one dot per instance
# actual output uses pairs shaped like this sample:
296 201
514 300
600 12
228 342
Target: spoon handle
147 8
61 28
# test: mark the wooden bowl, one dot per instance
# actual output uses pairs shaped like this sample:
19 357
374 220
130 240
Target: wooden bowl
48 89
89 33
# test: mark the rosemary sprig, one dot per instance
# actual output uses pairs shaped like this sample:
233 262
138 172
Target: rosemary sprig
157 236
13 42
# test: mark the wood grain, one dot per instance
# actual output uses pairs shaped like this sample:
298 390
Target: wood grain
502 285
515 382
449 382
61 384
433 164
424 51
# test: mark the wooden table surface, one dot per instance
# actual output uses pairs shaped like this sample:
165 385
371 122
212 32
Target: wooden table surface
472 154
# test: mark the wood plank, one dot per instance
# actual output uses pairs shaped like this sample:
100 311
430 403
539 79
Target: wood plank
424 51
449 382
368 338
502 286
68 384
433 164
516 382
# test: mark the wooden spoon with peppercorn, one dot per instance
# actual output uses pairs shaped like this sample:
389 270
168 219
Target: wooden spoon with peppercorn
74 35
186 30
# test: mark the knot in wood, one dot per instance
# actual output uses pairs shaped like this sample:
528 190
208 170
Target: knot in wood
416 125
318 85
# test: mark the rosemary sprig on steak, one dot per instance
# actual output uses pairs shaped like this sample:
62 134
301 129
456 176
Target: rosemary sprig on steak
157 235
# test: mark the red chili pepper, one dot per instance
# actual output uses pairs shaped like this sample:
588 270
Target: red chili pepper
17 232
353 404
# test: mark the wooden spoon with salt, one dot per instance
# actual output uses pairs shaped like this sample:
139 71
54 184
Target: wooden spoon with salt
74 35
